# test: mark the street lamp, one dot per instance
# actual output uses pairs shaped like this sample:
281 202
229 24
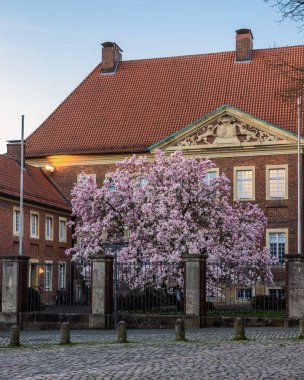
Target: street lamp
299 179
116 247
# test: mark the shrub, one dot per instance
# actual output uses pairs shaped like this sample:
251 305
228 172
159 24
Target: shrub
263 302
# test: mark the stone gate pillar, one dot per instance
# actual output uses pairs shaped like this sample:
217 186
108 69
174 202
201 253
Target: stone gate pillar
295 286
102 292
195 289
14 288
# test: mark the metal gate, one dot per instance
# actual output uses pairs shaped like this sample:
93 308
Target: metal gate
63 287
147 288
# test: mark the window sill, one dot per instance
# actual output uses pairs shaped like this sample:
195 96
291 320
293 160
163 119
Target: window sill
34 241
276 199
244 200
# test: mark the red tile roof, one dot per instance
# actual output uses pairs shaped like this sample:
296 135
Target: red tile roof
147 100
37 187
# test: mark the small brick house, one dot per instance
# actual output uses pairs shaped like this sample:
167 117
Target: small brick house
225 106
46 236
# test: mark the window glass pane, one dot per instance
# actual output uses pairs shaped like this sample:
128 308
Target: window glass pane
34 275
62 230
210 176
277 183
244 294
61 276
244 184
16 221
34 225
278 293
112 186
48 227
142 182
47 276
277 245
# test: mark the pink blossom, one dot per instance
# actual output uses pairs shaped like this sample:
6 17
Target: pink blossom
171 211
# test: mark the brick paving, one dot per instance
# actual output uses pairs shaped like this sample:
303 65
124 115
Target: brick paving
270 353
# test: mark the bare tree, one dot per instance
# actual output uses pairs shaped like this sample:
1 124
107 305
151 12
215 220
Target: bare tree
293 73
290 9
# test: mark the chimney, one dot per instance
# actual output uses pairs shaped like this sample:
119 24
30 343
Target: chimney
111 55
244 45
13 150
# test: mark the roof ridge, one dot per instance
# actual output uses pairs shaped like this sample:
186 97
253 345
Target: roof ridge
151 98
210 53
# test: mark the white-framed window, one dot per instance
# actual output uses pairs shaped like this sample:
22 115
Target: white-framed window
49 227
244 183
276 292
16 221
62 230
276 182
83 177
61 275
34 271
48 273
34 225
142 182
211 174
277 245
244 294
111 180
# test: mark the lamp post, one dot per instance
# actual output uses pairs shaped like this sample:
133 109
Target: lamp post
299 179
116 247
21 187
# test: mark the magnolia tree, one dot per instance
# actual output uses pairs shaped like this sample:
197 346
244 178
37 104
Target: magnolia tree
171 210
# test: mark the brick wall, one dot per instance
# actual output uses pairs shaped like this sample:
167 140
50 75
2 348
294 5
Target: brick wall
40 248
280 213
65 177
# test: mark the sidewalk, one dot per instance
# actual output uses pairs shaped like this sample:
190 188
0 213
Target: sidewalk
270 353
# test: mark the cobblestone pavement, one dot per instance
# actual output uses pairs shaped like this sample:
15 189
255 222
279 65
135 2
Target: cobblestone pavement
270 353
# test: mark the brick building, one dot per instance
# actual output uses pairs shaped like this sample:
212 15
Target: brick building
225 106
46 213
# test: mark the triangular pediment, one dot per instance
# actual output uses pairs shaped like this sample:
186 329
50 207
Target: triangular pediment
226 127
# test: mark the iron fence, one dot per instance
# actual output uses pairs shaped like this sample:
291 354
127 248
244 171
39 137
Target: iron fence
244 291
62 287
149 288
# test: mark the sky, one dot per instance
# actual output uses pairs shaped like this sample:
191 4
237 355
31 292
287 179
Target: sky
48 47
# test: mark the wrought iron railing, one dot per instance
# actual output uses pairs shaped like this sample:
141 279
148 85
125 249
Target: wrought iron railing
149 288
63 287
243 291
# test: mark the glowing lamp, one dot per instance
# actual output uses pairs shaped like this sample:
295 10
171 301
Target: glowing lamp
49 168
41 270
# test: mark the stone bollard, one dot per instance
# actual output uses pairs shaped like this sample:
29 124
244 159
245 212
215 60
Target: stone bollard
65 333
180 330
122 332
15 336
301 325
239 330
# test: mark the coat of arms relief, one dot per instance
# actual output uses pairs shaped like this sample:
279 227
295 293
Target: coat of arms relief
227 130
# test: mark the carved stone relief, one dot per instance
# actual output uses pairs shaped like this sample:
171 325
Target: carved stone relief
227 130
